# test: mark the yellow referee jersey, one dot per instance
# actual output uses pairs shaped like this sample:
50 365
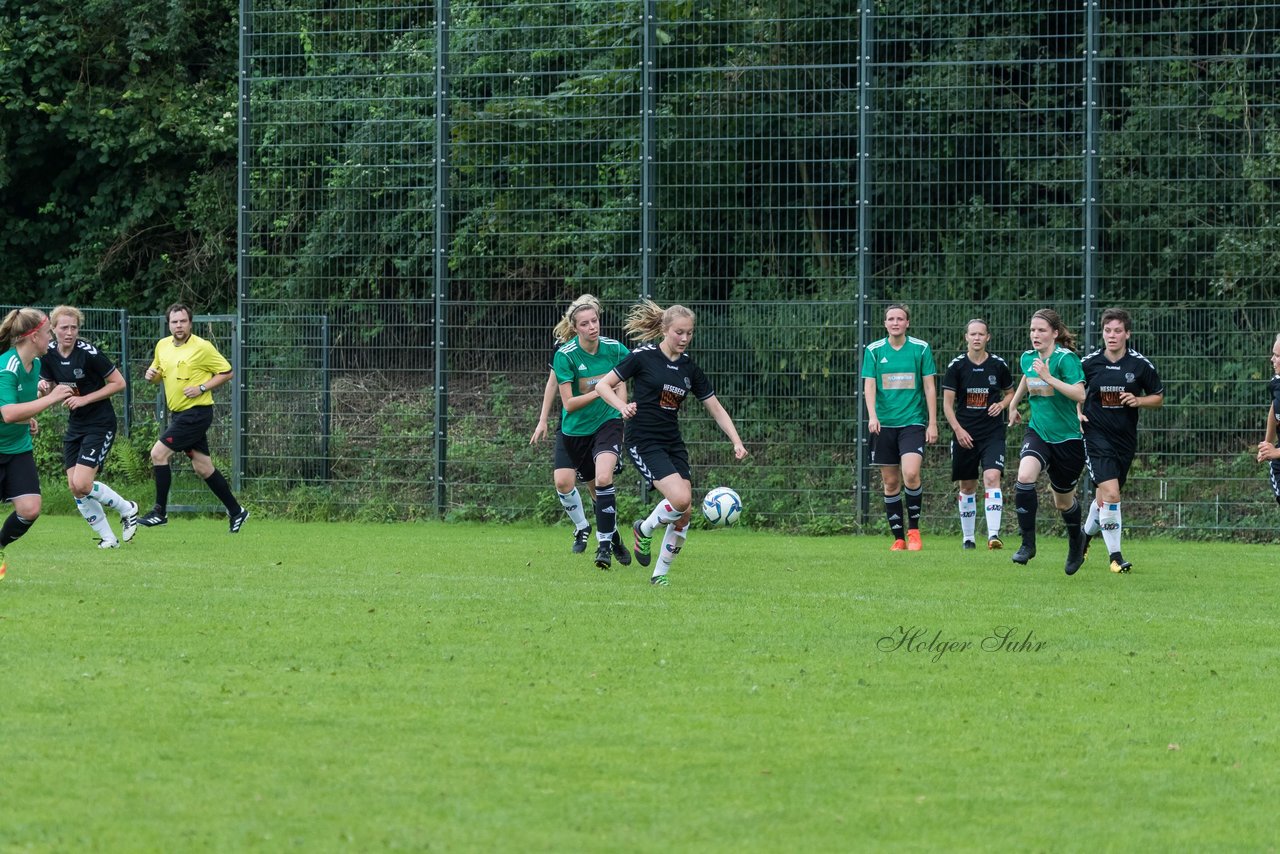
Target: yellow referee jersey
190 364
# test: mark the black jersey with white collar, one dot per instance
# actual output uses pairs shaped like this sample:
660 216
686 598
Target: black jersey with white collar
1105 381
660 388
86 370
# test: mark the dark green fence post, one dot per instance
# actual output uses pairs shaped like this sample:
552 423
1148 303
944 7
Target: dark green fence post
441 259
239 390
865 46
1090 241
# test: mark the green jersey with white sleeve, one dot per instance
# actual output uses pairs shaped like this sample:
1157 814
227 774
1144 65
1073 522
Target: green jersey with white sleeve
899 376
1053 414
582 370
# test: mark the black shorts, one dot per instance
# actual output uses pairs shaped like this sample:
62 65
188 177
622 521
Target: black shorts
1064 461
1275 478
986 454
891 444
579 452
18 475
656 461
188 430
1105 462
87 446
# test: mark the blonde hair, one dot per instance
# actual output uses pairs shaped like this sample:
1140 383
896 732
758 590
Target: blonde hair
1062 335
20 323
902 306
563 330
60 310
648 321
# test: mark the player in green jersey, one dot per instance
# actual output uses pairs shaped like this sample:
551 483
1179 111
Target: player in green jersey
899 385
25 332
589 441
1053 382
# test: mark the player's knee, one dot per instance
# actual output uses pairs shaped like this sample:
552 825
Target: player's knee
28 507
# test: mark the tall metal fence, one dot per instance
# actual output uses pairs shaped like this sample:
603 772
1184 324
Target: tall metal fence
425 187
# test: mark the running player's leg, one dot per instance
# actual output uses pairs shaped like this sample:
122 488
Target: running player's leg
162 471
80 479
991 460
19 484
1031 463
606 447
202 462
677 493
1066 466
656 465
565 476
1112 471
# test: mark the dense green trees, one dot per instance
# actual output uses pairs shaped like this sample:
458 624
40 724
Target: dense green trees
117 151
118 134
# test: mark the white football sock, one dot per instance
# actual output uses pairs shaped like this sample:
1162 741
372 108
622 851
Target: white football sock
662 514
1109 517
671 545
572 504
968 514
994 505
93 513
108 497
1091 524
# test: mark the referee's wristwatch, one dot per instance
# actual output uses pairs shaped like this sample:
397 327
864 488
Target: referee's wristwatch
203 387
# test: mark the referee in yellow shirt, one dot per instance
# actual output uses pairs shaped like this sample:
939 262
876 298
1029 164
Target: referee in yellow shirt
190 368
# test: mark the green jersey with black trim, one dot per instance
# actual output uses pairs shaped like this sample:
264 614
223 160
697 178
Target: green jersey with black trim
899 376
582 370
1053 414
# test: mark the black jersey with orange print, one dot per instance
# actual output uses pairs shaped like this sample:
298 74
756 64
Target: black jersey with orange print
660 388
977 387
1104 382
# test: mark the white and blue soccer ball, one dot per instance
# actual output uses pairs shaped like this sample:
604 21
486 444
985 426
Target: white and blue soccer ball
722 507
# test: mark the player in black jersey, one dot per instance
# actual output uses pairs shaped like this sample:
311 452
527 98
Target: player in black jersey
91 427
1119 381
979 382
664 377
1268 452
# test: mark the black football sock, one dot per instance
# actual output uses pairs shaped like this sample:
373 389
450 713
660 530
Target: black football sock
164 480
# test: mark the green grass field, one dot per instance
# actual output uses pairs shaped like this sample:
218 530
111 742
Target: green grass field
478 688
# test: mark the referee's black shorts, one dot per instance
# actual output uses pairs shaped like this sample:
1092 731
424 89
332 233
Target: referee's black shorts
188 430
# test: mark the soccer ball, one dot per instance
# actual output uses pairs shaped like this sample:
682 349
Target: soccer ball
722 506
